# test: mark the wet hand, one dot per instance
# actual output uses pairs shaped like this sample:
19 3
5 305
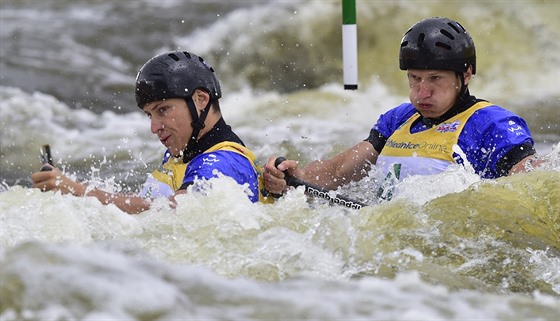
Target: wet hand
274 177
55 180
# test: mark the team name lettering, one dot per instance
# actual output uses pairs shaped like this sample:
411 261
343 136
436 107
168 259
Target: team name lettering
415 146
315 192
438 147
401 145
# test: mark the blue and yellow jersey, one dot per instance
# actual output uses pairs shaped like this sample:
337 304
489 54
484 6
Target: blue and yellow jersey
227 158
482 134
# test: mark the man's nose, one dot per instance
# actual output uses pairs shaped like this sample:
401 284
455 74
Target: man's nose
424 89
156 125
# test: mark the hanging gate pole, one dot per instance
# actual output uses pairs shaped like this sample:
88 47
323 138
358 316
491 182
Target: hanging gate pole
349 45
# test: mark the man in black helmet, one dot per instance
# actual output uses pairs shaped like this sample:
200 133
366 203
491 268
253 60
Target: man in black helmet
179 92
441 125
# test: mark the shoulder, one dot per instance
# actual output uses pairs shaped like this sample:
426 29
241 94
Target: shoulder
221 160
497 117
489 134
393 118
211 164
494 111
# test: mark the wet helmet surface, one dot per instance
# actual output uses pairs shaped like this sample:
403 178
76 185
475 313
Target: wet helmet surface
437 43
175 74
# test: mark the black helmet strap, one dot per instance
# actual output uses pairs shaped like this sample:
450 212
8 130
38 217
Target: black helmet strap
462 78
464 88
197 125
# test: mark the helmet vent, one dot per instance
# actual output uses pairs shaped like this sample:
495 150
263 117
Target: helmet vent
452 25
421 39
205 64
188 55
174 57
443 45
447 34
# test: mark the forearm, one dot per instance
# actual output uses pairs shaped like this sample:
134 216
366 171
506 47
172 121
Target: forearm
55 180
527 164
127 203
351 165
516 160
324 173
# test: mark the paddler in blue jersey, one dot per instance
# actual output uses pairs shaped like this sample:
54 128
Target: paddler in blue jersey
179 92
443 123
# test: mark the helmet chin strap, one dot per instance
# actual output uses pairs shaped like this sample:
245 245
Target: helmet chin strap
197 125
463 86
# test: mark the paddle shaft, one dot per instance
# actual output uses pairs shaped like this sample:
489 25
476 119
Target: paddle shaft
46 158
318 191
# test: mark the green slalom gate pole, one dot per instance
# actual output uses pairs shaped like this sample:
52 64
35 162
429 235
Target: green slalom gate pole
349 45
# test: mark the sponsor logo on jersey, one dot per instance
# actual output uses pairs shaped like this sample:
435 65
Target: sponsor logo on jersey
210 160
448 127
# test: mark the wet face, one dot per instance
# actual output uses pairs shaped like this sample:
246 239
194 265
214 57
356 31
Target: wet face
433 92
170 121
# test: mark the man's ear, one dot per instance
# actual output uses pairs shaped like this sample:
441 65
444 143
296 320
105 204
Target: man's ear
201 99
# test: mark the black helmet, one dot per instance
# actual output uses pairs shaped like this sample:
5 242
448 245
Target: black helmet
175 74
437 43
